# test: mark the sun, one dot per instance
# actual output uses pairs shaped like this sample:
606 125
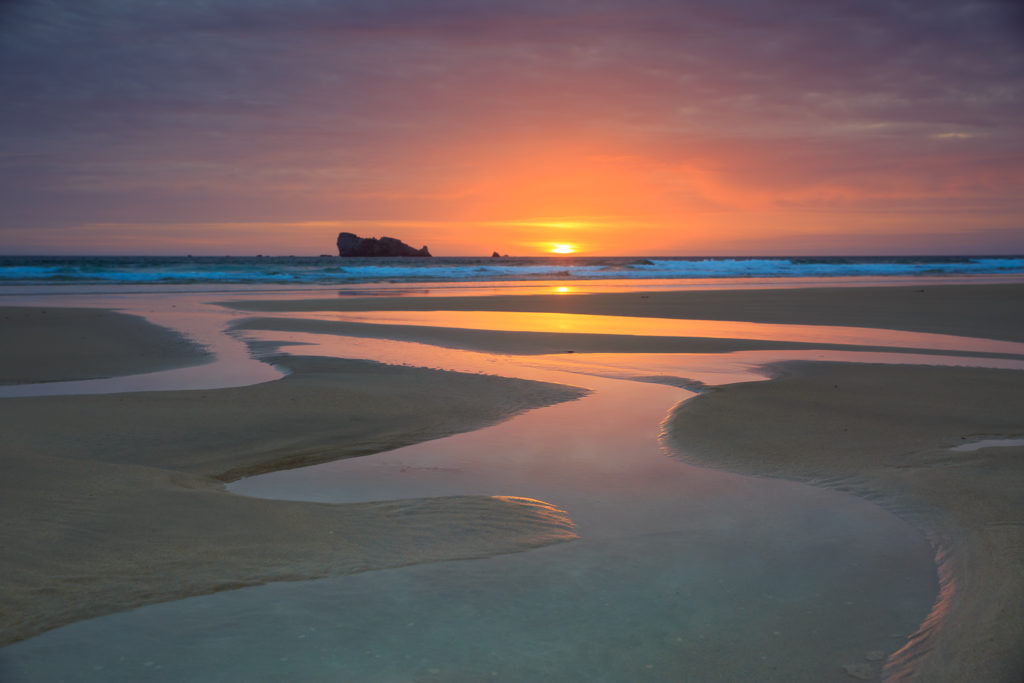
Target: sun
563 249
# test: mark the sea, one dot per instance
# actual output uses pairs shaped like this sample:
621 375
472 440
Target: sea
333 270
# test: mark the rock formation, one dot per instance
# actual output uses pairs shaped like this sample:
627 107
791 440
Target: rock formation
354 245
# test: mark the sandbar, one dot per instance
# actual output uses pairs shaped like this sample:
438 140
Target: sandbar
982 310
63 344
888 433
114 501
881 432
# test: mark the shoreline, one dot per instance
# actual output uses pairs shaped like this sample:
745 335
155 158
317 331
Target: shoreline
489 288
969 557
798 425
113 501
524 342
973 310
980 310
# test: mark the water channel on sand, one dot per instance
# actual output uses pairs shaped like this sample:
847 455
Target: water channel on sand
680 572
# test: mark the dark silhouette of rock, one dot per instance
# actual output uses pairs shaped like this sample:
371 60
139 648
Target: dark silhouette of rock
353 245
495 255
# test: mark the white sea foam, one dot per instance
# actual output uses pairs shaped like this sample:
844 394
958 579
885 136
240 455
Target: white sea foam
333 270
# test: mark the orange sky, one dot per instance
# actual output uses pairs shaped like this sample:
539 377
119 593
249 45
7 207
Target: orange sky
622 129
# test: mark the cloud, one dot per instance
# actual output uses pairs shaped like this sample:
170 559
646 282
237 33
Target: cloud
382 108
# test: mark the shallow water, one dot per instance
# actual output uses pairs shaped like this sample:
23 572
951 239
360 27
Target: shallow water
681 573
590 610
571 323
232 364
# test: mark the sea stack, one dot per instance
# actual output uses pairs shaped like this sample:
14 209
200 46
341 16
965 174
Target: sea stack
350 244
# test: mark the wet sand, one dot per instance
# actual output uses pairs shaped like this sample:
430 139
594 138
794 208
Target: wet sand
61 344
888 433
983 310
883 433
114 501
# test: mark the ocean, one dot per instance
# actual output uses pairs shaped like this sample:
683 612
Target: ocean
330 270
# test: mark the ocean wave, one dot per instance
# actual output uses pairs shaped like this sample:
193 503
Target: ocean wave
332 270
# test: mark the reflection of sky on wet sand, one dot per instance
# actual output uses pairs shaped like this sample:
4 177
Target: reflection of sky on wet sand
667 327
17 293
574 446
191 316
707 368
681 573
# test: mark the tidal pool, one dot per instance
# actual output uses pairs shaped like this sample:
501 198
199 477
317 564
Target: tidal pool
680 572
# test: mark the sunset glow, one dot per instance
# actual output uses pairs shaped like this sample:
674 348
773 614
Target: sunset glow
675 129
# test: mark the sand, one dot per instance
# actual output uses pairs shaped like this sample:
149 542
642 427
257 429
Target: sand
525 342
60 344
114 501
990 311
886 433
534 343
129 486
882 432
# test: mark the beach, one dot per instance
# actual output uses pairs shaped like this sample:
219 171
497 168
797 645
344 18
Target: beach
63 344
501 341
891 433
114 501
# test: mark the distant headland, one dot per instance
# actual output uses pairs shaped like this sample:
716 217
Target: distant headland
350 244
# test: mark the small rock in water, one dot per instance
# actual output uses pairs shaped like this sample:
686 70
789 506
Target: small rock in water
874 655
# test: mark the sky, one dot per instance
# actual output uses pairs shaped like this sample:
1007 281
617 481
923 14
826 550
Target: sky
620 127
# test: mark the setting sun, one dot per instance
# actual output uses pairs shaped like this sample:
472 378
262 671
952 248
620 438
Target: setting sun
563 249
